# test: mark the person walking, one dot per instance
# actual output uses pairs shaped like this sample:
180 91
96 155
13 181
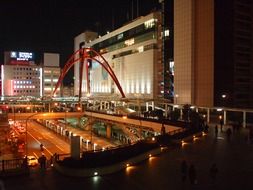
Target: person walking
184 169
216 130
43 160
192 175
229 132
213 172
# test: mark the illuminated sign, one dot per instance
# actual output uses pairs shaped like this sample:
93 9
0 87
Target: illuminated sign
22 56
129 42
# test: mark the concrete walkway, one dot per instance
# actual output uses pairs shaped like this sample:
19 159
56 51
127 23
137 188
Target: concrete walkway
233 158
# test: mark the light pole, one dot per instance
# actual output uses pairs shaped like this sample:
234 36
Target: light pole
176 96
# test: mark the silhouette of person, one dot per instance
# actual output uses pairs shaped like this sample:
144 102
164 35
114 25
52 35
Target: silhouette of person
229 132
216 130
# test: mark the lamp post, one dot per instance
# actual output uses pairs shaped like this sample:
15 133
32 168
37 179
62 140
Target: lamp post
176 96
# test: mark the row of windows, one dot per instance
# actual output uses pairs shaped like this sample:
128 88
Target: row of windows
133 41
22 82
24 91
23 86
138 50
138 30
22 77
25 68
22 73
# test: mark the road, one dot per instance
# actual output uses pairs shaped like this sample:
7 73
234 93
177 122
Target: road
37 134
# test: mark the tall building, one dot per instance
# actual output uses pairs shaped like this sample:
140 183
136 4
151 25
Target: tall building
134 51
51 73
213 52
20 75
233 61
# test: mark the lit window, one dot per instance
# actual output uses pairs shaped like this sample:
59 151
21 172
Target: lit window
150 23
129 42
140 49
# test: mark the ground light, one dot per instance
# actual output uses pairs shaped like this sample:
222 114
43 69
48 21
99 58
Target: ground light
183 143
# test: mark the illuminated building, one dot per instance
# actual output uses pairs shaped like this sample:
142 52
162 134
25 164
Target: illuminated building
213 52
51 73
134 53
20 75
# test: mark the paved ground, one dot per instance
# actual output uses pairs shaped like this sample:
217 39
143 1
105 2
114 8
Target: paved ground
233 157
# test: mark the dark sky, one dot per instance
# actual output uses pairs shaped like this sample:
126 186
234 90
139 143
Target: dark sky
51 25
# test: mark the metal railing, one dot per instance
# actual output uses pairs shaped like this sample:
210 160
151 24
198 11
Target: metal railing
13 164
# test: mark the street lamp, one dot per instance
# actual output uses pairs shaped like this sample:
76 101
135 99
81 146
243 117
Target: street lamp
176 96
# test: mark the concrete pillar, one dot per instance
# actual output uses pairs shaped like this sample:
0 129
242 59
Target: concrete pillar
225 117
208 116
153 105
100 105
244 119
75 147
181 113
166 110
108 131
146 106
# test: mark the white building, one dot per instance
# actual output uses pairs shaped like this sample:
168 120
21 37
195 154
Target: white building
134 53
20 75
51 73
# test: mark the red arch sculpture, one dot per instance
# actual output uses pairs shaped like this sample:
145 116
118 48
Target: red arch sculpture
84 55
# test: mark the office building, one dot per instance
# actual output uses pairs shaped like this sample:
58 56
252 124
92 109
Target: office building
20 75
134 51
51 73
213 52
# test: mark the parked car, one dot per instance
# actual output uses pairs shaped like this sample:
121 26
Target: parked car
32 161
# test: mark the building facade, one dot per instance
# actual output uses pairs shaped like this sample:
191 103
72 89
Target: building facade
134 52
20 75
213 52
51 73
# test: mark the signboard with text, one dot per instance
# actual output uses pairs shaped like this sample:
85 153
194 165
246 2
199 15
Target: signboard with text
18 58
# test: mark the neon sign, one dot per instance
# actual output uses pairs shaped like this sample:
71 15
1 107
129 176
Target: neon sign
22 56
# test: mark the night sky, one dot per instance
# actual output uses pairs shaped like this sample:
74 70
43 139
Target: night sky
51 25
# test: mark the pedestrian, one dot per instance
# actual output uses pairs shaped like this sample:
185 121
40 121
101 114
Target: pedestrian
40 162
25 162
44 160
206 128
216 130
221 124
229 132
184 169
192 175
213 172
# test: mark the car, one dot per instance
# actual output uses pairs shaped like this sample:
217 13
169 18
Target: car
32 161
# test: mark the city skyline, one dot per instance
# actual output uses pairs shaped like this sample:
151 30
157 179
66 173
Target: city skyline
50 26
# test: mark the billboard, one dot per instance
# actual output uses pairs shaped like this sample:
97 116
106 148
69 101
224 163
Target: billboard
19 58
